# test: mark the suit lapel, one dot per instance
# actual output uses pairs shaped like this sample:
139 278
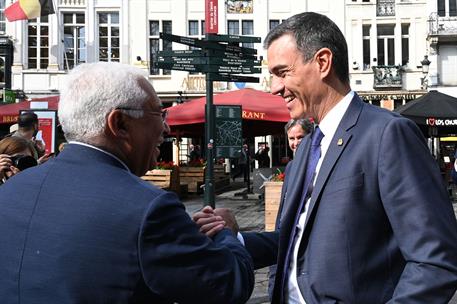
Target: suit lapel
295 184
337 145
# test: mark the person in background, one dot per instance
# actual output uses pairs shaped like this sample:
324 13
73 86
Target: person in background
296 130
28 129
16 155
366 218
194 153
243 164
88 229
262 156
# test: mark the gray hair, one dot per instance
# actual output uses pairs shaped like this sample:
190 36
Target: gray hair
92 90
313 32
305 124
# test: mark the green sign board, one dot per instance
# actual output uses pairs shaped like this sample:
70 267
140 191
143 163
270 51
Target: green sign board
229 131
9 96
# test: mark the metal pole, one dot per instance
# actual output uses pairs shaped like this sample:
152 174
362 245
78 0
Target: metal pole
209 197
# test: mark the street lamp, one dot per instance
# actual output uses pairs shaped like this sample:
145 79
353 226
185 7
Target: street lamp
425 64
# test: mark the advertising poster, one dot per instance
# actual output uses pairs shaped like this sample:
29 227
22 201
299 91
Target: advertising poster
47 123
239 7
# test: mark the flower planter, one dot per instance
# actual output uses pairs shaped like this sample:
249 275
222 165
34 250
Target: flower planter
165 179
272 201
194 177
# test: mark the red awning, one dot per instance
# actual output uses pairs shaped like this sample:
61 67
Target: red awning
262 113
10 112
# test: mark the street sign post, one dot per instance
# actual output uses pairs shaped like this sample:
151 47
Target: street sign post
221 59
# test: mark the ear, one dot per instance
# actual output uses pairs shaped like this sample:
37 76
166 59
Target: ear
117 125
324 59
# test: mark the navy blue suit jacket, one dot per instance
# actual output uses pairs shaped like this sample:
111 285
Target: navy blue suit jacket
380 226
82 229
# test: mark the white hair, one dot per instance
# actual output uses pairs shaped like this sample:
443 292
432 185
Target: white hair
91 91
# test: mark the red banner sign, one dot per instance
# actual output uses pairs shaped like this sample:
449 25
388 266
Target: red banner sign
211 25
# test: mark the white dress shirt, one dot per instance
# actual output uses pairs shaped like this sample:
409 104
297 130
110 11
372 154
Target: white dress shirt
328 126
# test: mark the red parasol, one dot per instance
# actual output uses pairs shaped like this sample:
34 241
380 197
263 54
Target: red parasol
10 112
263 113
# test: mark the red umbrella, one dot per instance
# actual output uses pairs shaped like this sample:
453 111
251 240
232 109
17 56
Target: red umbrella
10 112
262 113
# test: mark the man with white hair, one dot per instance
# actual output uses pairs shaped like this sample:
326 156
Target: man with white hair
84 228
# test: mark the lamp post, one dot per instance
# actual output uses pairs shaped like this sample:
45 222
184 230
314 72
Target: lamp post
425 64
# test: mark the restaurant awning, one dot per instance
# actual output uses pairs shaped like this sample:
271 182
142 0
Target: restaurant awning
10 112
262 113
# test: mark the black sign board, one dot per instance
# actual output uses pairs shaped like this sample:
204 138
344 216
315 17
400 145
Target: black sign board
207 44
231 78
229 131
210 60
206 68
232 38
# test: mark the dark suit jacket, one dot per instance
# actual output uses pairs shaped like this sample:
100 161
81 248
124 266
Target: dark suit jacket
82 229
380 226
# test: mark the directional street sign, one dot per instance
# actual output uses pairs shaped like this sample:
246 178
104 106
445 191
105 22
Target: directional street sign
233 38
206 68
211 60
206 44
205 53
231 78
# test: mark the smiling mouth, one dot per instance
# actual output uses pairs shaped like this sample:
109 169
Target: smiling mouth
289 98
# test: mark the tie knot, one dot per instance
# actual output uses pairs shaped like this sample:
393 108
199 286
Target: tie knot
317 137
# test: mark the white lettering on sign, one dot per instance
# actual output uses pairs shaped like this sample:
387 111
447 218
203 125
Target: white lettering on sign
440 122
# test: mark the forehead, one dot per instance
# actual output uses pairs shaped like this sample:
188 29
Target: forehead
296 130
282 51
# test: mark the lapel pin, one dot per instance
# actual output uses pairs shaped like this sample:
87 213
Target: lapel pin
340 142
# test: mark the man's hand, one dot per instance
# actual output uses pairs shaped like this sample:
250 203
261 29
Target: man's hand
209 223
229 219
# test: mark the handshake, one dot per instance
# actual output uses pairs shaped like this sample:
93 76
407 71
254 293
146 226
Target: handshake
211 221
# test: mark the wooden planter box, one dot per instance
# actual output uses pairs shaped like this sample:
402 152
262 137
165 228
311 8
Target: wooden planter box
165 179
194 177
272 200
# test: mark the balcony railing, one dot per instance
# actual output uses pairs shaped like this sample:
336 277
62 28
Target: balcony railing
442 25
72 3
387 77
385 8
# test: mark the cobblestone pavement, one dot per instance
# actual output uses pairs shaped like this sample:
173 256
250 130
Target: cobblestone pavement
250 214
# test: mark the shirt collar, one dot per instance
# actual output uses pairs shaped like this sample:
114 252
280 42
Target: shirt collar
98 149
330 123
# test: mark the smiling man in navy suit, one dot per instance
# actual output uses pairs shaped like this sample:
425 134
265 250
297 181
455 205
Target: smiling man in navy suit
373 222
84 228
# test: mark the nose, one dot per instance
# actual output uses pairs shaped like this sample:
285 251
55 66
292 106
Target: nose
277 85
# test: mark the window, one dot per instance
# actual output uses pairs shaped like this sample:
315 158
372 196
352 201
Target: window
273 23
108 37
233 27
366 46
386 45
196 30
2 17
156 44
247 28
38 43
74 39
441 8
404 44
452 8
